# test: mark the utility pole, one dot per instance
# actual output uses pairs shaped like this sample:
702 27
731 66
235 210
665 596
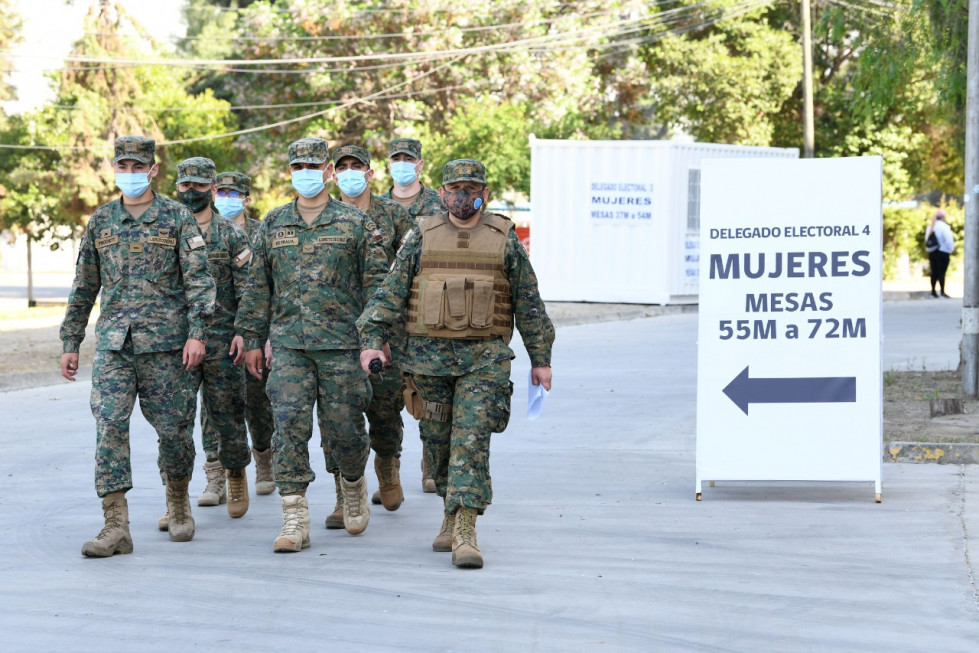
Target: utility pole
970 298
807 120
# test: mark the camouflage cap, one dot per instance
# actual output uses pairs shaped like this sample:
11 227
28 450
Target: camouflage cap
196 169
309 150
356 152
409 146
138 148
238 181
463 170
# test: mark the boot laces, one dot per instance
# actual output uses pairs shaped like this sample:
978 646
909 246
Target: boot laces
352 505
466 522
180 503
385 468
448 523
236 487
113 521
291 521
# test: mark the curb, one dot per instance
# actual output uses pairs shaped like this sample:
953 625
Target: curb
942 453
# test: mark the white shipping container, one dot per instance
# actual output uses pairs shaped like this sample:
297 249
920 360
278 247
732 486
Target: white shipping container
619 221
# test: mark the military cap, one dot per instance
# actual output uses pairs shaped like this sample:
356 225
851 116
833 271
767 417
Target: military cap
238 181
409 146
463 170
196 169
358 153
309 150
137 148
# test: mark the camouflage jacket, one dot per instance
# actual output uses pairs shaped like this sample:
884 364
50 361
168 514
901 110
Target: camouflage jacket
153 275
228 254
427 203
452 357
308 284
394 223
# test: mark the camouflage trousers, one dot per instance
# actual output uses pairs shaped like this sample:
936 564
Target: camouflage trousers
385 426
480 403
335 383
166 399
258 411
222 386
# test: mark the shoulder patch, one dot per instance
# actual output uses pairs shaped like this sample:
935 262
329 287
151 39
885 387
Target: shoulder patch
195 242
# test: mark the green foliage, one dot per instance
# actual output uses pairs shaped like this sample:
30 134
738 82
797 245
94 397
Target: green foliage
10 25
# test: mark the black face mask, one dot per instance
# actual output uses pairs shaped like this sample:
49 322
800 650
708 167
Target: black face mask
195 200
463 204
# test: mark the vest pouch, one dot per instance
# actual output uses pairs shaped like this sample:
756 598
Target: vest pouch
456 315
432 303
482 310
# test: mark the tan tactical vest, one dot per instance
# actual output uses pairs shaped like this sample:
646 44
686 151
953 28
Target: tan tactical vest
461 290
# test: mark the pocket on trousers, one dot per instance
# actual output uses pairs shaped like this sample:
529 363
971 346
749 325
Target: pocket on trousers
500 408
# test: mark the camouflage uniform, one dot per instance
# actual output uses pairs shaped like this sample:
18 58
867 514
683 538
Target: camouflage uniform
384 413
307 286
472 376
220 381
428 202
156 292
258 409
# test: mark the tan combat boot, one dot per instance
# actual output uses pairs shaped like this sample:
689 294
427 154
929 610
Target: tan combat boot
389 478
295 525
216 491
443 541
237 492
335 519
163 523
356 510
465 551
181 524
264 483
114 537
428 473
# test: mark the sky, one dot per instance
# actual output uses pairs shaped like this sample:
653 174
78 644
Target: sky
51 26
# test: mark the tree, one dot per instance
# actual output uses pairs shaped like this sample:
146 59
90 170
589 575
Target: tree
10 26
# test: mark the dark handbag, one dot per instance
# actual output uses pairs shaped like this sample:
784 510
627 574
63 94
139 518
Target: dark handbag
931 243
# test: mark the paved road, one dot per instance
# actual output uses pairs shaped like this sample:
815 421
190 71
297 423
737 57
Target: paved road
594 541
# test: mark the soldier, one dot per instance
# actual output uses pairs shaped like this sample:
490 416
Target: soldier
352 173
221 376
420 201
145 253
233 198
460 279
315 261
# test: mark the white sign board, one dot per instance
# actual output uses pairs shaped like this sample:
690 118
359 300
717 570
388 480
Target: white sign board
789 371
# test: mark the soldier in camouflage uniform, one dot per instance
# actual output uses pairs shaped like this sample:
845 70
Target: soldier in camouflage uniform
145 253
459 280
420 201
233 198
221 377
352 173
314 262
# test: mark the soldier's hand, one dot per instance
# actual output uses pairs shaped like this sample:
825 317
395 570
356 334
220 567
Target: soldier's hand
237 349
254 363
368 355
268 353
541 376
69 366
194 351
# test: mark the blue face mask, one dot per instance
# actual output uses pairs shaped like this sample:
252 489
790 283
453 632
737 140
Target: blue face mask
352 182
229 207
132 184
403 172
308 182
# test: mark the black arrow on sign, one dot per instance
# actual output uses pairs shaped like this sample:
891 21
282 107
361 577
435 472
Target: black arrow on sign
805 390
